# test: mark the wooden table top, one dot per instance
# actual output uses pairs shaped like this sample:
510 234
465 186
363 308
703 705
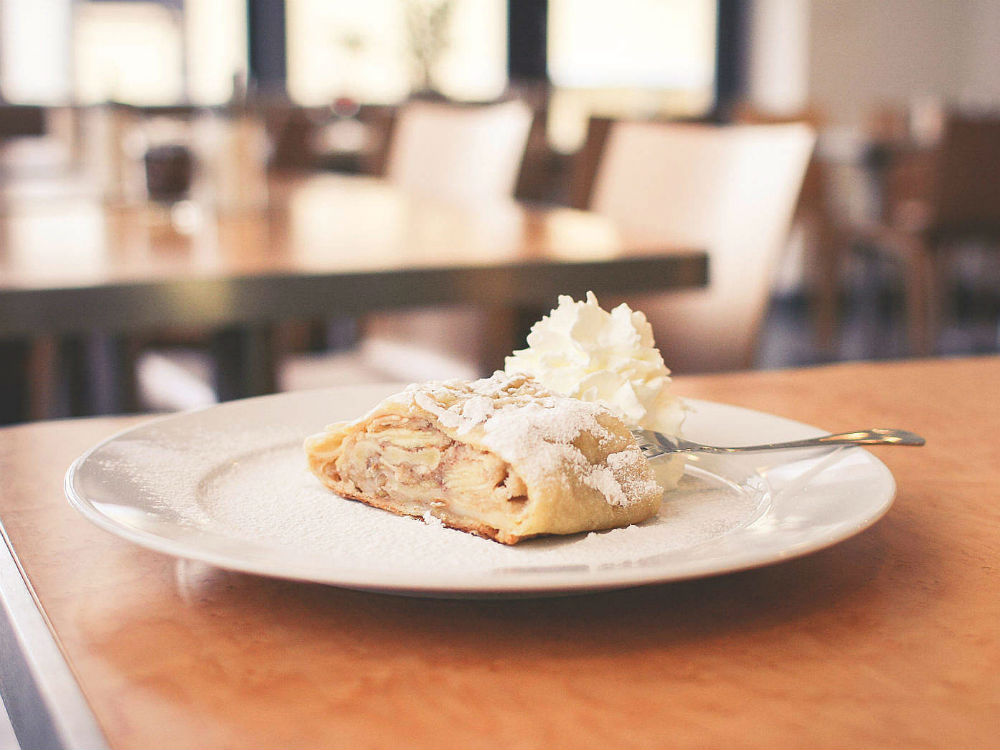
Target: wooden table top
888 639
325 245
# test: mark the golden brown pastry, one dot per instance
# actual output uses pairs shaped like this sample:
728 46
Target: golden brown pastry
501 457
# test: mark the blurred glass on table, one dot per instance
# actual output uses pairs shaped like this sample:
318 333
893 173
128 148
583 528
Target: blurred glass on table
232 147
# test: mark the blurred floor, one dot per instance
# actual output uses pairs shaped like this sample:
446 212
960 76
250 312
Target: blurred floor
873 324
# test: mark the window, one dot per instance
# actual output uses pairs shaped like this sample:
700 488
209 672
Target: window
364 50
56 51
128 52
628 58
216 47
35 60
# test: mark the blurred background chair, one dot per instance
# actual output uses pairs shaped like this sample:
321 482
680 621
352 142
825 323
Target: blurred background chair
814 255
464 153
938 201
729 189
453 152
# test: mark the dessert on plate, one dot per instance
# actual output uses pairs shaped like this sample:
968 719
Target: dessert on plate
542 447
502 457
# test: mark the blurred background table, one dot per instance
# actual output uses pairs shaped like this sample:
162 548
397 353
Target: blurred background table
323 246
884 640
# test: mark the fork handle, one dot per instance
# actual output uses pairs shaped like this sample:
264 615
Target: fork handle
876 436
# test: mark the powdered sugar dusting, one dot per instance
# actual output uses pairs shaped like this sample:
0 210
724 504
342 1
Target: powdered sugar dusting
628 465
156 461
431 520
535 429
603 480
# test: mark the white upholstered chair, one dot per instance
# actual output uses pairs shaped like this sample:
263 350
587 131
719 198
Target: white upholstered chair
731 190
465 153
451 152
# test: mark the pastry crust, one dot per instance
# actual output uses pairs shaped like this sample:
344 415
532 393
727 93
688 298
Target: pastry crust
501 457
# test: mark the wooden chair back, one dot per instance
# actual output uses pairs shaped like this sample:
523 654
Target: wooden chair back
586 161
966 191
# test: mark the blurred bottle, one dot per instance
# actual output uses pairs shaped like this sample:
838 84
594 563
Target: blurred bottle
232 146
106 129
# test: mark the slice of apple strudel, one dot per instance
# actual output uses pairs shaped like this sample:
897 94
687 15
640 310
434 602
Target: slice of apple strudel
501 457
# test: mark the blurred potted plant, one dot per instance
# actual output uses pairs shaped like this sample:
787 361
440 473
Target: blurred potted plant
427 32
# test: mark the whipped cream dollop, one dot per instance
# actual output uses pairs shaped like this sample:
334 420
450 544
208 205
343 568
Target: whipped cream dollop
584 351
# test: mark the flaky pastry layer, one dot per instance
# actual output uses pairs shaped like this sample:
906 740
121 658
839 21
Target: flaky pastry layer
500 457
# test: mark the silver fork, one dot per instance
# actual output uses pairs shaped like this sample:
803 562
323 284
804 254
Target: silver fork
654 444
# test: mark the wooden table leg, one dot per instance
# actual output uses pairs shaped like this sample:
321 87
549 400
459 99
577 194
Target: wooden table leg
73 367
14 357
506 329
122 382
825 272
922 304
43 385
245 360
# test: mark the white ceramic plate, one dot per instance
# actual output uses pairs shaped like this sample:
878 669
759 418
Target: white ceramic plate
228 485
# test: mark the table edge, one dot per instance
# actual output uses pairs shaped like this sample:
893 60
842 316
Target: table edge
131 305
46 706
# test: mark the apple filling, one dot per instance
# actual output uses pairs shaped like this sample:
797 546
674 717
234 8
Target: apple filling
406 465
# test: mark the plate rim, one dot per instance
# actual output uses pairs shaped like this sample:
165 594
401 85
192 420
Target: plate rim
448 586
